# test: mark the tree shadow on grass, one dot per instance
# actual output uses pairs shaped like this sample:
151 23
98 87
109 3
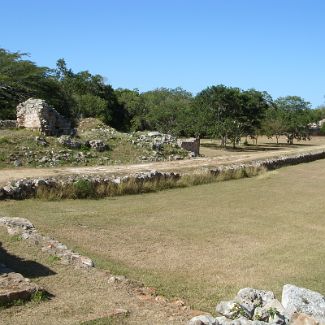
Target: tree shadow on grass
257 148
27 268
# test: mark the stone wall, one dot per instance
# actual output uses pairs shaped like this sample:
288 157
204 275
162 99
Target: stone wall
38 115
26 230
7 124
191 144
27 188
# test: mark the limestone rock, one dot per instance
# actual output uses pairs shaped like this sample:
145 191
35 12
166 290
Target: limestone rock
249 299
272 312
303 319
17 163
14 286
68 142
7 124
191 144
301 300
231 309
37 114
240 321
98 145
41 141
202 320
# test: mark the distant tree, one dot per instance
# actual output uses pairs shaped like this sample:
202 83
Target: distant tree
296 116
20 79
255 105
274 123
135 108
165 108
229 113
91 96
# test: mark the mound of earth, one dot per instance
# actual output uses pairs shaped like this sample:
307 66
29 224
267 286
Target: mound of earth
91 123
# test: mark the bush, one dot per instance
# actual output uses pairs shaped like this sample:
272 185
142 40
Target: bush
322 129
83 188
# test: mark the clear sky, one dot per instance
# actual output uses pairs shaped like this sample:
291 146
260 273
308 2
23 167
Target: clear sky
272 45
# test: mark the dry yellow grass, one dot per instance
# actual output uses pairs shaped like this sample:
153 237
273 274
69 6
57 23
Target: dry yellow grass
201 243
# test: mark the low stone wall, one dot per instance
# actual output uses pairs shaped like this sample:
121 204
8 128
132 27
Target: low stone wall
27 188
26 230
8 124
273 163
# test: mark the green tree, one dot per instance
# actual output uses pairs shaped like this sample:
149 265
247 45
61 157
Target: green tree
21 78
91 96
165 107
274 123
134 106
229 113
297 115
255 105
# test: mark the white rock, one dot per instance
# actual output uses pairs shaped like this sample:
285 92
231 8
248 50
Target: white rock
301 300
250 298
202 320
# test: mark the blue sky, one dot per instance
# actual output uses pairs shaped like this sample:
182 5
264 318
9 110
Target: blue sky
272 45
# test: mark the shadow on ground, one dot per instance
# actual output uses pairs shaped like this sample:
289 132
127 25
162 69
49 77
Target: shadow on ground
256 148
27 268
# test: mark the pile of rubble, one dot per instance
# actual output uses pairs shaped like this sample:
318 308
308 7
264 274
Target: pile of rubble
155 140
72 143
160 146
8 124
299 306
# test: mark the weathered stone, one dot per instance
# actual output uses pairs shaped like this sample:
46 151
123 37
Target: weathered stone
41 141
250 298
202 320
240 321
38 115
272 312
116 279
231 309
98 145
68 142
191 144
13 286
7 124
301 300
17 163
303 319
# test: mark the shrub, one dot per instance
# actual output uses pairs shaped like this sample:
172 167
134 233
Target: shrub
83 188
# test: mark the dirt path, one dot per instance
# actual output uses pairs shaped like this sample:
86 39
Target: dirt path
180 165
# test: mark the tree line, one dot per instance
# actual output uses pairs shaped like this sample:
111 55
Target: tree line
226 113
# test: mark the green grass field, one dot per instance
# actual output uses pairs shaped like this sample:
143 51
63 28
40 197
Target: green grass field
201 243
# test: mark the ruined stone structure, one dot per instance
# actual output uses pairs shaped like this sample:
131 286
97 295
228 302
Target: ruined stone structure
38 115
191 144
7 124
